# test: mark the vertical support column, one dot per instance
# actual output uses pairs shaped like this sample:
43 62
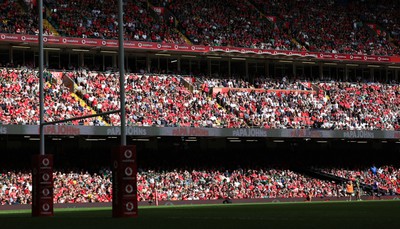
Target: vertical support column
179 64
42 185
209 67
11 52
114 61
386 75
46 61
229 67
246 67
321 71
23 58
124 203
148 63
82 59
294 72
104 63
127 67
371 75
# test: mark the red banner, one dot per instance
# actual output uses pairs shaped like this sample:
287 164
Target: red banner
42 185
124 203
87 43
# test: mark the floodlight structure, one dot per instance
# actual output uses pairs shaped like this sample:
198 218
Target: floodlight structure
124 157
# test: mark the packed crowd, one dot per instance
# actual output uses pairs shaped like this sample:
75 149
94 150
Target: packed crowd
70 187
164 101
270 109
236 184
99 19
386 178
19 99
84 187
14 19
361 106
339 106
228 23
206 83
331 26
8 23
153 100
323 26
15 188
385 13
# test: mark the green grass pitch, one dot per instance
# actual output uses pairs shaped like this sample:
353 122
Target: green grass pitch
364 214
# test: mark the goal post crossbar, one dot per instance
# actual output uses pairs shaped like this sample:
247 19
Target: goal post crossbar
81 117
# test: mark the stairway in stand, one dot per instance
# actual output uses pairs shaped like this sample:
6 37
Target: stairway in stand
84 104
49 26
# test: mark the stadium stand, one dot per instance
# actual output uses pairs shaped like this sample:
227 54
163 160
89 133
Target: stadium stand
348 106
19 103
225 23
385 178
163 100
178 184
330 26
18 20
172 100
154 100
100 21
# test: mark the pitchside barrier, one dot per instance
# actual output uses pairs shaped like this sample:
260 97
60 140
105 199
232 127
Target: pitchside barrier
124 187
42 183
